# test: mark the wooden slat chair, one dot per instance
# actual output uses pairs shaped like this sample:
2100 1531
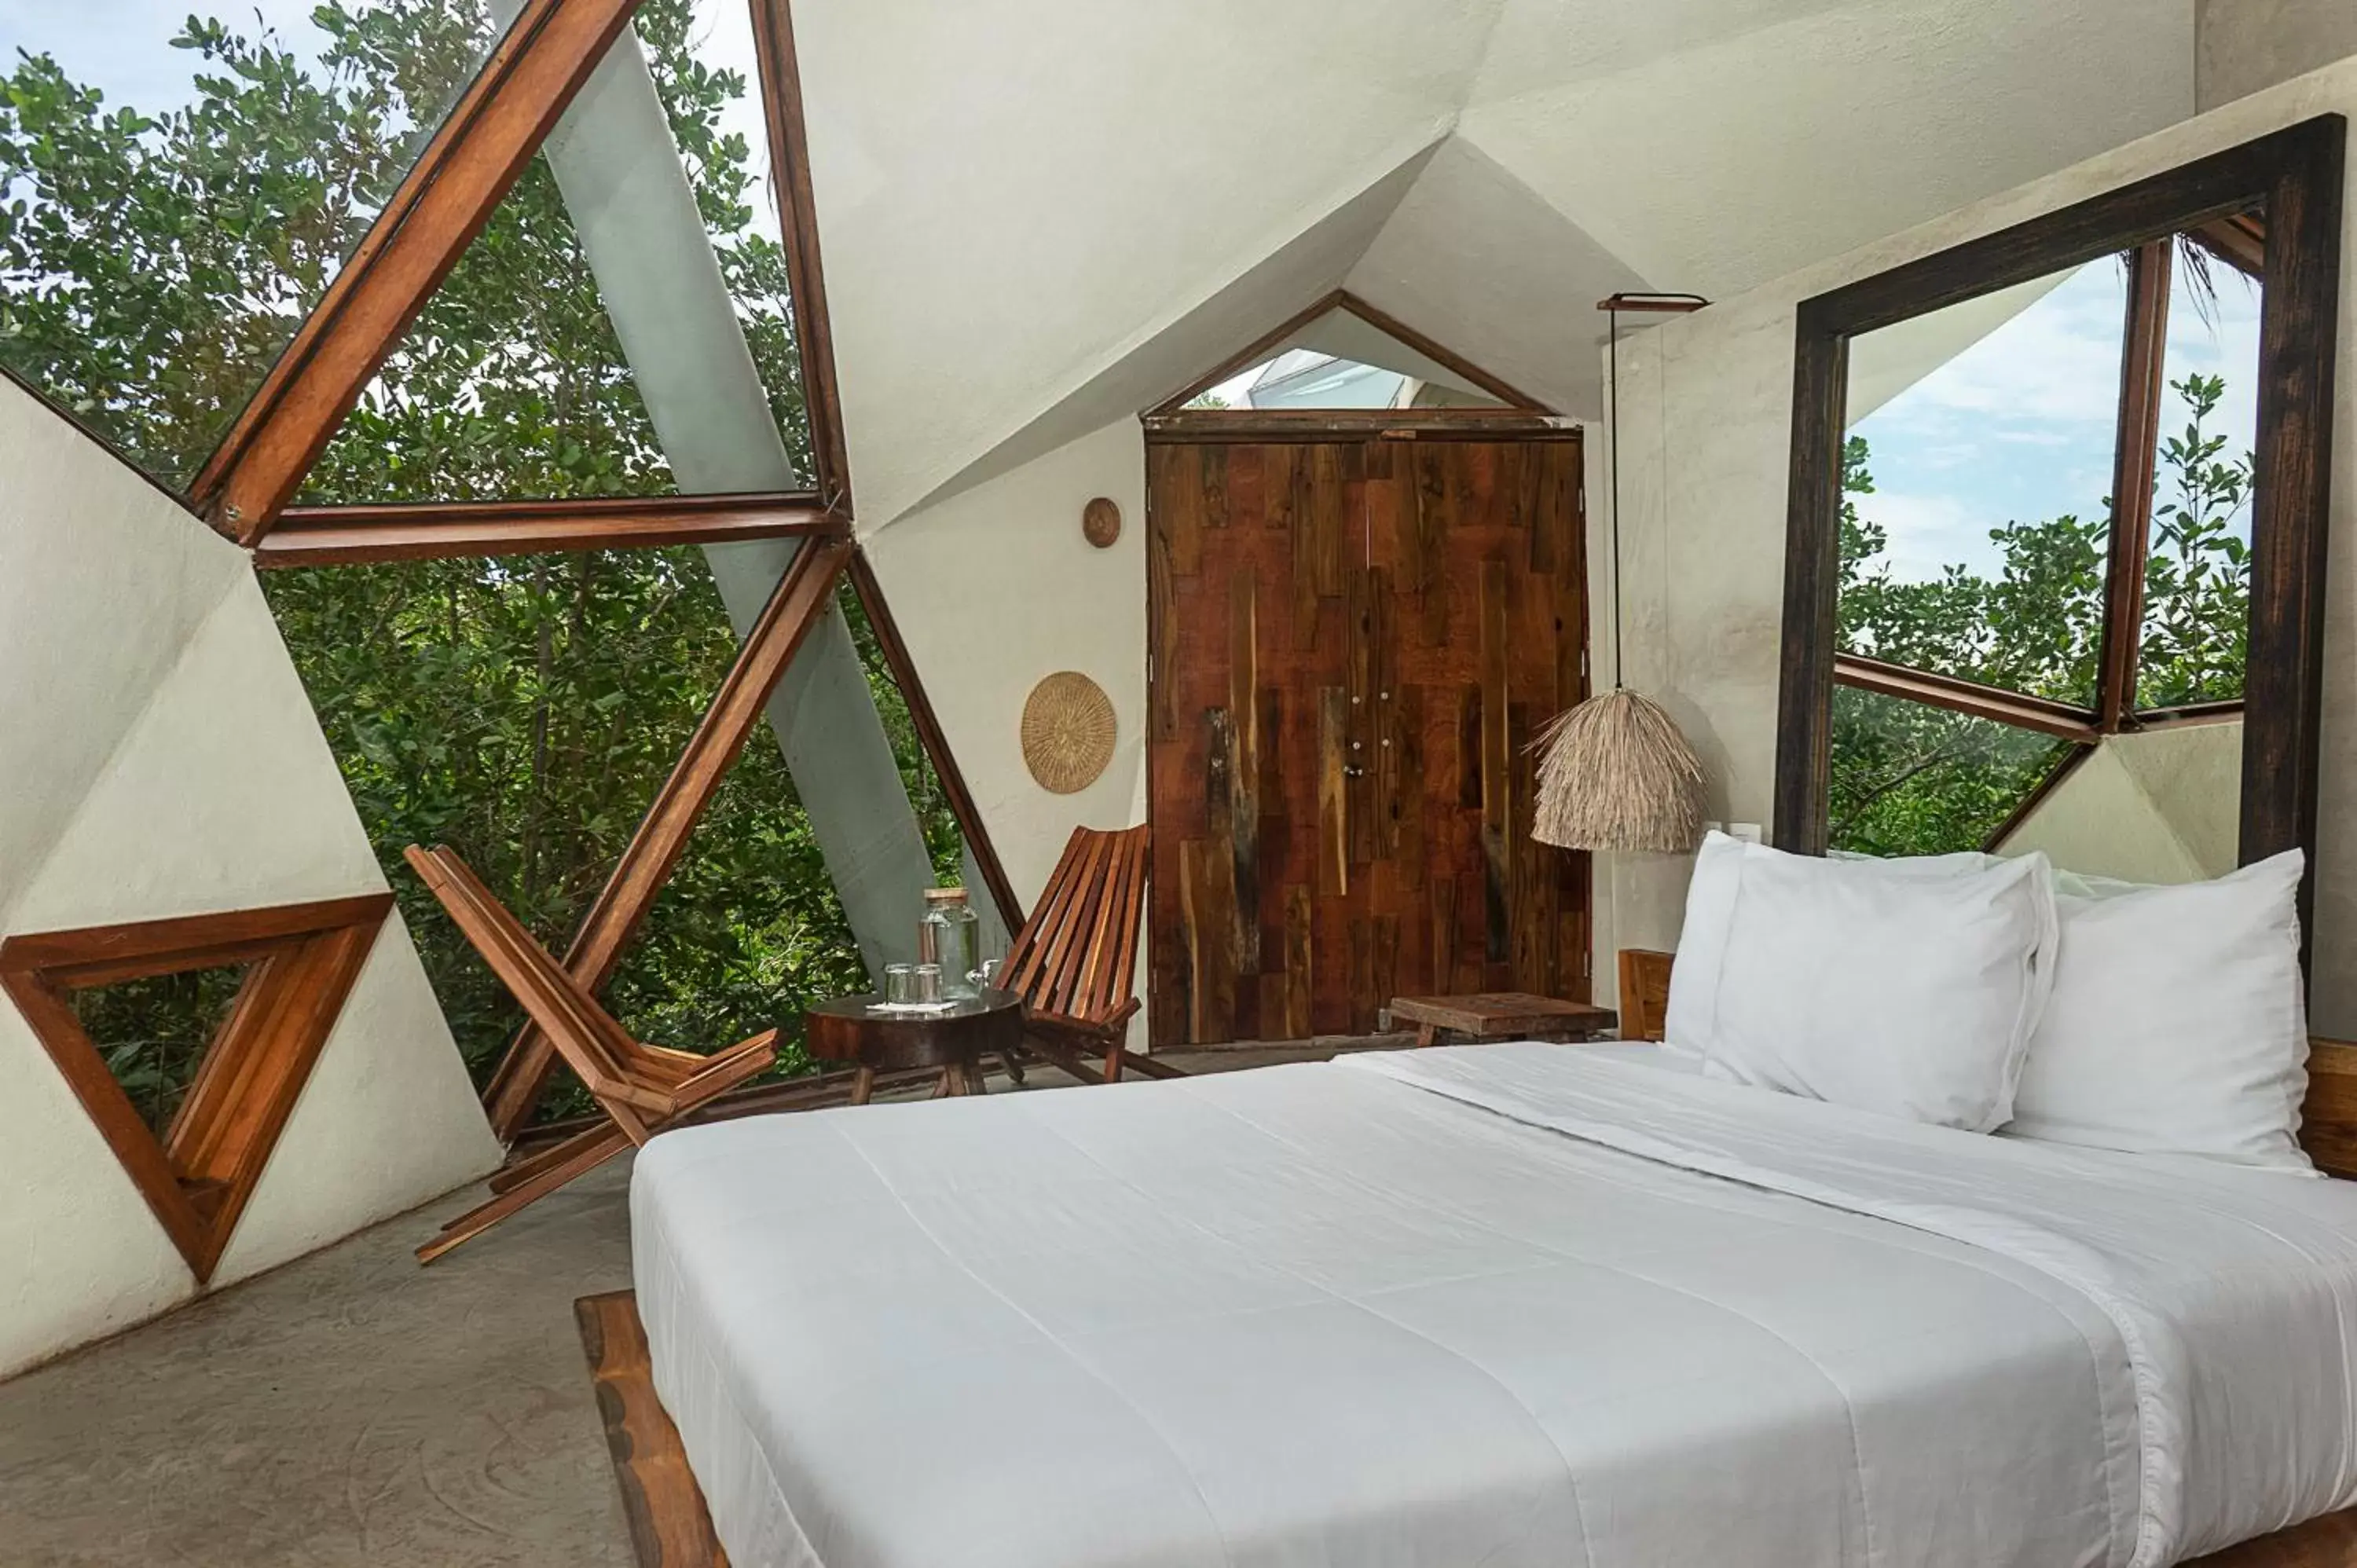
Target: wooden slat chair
640 1087
1074 963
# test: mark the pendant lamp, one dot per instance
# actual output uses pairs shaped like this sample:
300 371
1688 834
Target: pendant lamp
1614 772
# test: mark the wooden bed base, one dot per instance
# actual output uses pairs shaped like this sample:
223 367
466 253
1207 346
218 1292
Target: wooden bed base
670 1527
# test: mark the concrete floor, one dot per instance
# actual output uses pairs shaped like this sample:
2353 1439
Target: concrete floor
354 1410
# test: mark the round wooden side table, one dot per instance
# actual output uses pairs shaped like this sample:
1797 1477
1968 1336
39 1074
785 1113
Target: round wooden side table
954 1039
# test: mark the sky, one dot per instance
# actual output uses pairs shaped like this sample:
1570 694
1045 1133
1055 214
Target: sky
124 47
2020 426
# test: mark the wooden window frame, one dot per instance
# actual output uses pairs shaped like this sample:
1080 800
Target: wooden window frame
198 1178
1172 418
472 162
803 596
2294 174
365 535
246 488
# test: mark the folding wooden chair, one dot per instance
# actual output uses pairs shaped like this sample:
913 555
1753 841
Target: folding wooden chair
1074 963
640 1087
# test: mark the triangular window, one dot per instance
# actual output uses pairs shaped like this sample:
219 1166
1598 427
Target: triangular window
1340 360
179 198
189 1040
152 1033
516 381
524 712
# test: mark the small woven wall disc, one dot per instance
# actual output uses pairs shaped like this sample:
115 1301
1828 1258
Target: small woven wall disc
1068 732
1101 522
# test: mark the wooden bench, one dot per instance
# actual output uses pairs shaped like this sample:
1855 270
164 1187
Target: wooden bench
1500 1015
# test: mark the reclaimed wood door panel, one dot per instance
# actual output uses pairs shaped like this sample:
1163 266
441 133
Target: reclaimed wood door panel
1350 644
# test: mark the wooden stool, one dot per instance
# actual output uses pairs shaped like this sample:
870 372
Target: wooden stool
1500 1015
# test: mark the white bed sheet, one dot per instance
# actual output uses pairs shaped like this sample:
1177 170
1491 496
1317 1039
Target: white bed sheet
1484 1304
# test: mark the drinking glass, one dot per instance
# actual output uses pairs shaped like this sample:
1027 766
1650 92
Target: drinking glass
899 984
924 983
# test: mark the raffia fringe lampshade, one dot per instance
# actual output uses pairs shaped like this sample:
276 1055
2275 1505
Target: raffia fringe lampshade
1614 773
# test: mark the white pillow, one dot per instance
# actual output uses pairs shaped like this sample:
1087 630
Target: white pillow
1691 1017
1692 1006
2176 1025
1911 995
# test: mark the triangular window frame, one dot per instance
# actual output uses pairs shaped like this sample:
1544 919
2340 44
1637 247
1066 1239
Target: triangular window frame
198 1179
1512 403
468 166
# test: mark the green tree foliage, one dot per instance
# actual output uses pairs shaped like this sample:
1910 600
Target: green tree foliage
1913 779
152 1033
2197 585
154 264
523 710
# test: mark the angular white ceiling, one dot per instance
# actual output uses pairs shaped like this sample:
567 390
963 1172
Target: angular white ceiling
1041 215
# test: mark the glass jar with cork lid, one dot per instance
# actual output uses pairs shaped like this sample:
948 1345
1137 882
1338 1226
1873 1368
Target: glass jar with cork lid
951 936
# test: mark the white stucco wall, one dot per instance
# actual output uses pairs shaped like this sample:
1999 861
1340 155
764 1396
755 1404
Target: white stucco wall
2242 45
1018 201
1705 447
158 758
995 588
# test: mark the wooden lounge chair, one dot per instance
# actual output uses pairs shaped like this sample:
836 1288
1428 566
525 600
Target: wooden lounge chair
1074 963
641 1088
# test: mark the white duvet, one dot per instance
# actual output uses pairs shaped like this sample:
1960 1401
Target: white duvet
1504 1305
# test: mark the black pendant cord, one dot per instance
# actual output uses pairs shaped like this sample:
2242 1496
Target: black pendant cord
1612 357
1611 305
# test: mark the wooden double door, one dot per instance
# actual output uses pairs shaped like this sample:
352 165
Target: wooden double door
1351 642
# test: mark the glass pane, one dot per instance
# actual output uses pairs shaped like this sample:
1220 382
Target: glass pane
512 383
1913 779
153 1034
1976 512
2197 581
180 191
509 385
944 840
525 711
710 80
1340 360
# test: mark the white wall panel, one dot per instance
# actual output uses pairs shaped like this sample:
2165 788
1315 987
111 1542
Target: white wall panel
158 758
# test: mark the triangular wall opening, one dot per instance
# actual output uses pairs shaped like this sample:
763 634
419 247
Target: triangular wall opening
1341 354
195 1139
153 1033
1339 361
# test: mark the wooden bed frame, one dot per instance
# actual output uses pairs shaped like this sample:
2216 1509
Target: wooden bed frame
671 1528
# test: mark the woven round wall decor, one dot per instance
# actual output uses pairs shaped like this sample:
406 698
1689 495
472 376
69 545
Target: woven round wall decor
1068 732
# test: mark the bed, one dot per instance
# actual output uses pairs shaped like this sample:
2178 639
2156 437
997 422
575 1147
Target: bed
1500 1304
